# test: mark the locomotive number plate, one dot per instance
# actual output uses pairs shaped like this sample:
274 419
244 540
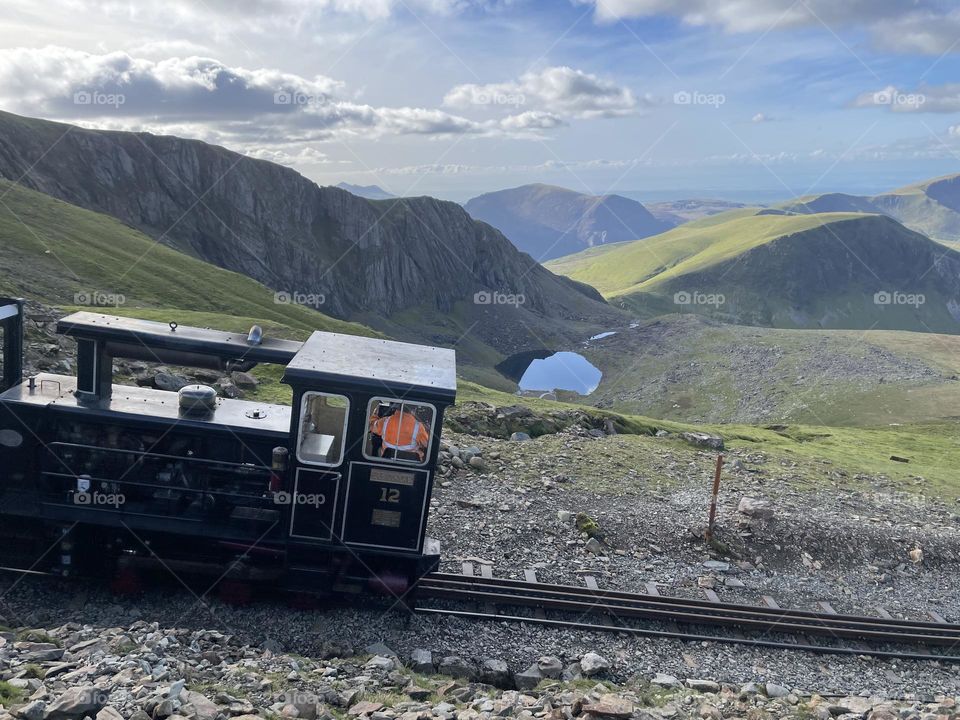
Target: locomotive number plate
392 477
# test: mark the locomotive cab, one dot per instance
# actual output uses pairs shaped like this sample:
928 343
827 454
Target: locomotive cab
366 431
330 493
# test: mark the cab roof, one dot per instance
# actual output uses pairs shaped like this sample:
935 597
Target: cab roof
374 365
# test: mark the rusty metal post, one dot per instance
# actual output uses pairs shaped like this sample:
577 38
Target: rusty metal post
708 535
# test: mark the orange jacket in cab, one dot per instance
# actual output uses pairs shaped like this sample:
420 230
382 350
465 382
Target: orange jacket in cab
402 432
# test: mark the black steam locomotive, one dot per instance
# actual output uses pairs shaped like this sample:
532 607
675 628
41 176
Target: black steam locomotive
330 494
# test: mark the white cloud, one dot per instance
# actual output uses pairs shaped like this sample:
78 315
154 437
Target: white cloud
761 118
249 12
297 156
923 32
532 120
914 26
202 97
57 81
562 91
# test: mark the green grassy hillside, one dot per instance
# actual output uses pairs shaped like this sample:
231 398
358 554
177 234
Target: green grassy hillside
931 207
627 267
686 368
62 255
822 270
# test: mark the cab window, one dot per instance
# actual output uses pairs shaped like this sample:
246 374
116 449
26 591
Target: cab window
399 430
323 428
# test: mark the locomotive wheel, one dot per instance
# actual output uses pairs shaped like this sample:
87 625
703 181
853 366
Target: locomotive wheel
235 592
126 581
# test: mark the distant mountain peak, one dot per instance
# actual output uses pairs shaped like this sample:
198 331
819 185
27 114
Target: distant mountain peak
370 192
547 221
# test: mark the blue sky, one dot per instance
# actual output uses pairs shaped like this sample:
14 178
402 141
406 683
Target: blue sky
743 99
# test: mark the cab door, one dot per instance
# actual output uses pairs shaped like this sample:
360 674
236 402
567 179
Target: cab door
320 437
388 491
11 342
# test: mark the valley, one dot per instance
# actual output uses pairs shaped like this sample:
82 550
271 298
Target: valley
692 369
798 338
479 360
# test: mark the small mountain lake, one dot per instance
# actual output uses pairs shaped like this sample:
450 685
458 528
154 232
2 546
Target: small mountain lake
561 371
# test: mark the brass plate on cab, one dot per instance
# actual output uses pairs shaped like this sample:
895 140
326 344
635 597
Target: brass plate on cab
392 477
386 518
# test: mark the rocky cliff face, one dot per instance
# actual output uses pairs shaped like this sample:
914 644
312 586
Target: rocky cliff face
357 258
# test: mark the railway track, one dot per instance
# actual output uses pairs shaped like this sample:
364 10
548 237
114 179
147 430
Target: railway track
662 616
590 608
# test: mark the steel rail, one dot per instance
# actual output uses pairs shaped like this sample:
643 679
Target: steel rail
587 601
668 601
694 637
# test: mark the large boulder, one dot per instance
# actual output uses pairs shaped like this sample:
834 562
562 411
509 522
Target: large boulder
756 508
197 706
421 661
592 664
703 440
496 672
550 666
529 678
77 702
170 381
610 706
244 380
456 667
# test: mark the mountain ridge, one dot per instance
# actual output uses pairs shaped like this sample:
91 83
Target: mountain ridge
931 207
374 263
548 221
370 192
827 270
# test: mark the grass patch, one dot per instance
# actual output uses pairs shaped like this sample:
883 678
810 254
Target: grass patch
37 636
33 672
9 694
